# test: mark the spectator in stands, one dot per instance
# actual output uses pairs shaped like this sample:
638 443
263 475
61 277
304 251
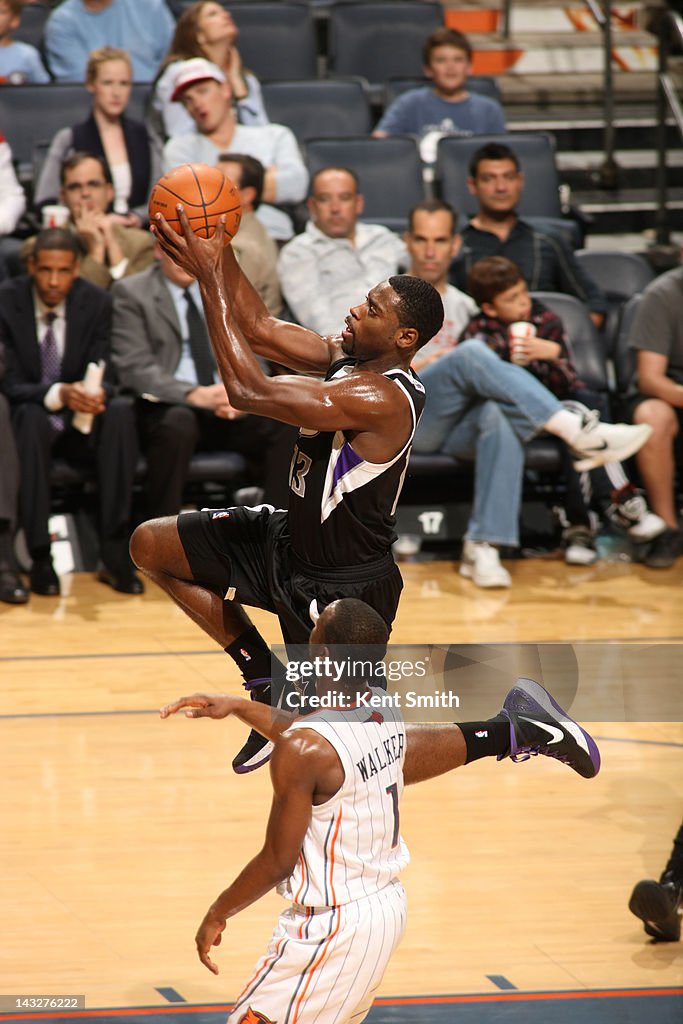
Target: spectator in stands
446 107
124 144
255 250
205 93
12 206
53 324
77 27
337 258
19 62
162 354
480 407
206 29
547 262
501 293
111 251
432 242
656 398
12 590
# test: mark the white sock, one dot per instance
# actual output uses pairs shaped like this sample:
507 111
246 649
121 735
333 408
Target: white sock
564 424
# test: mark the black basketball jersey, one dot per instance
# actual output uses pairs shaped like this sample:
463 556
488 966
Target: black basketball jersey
341 507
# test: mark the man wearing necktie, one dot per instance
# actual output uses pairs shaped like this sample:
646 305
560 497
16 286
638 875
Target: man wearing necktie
53 324
162 354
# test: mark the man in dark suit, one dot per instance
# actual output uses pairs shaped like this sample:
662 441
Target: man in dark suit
53 325
162 355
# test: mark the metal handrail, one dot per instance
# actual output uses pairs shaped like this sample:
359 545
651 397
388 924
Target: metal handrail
602 12
670 29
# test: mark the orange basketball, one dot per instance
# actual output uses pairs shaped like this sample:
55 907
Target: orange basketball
205 192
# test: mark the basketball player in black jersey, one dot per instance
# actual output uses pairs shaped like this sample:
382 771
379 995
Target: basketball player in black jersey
356 428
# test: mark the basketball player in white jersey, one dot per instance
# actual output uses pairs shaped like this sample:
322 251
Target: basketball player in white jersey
333 845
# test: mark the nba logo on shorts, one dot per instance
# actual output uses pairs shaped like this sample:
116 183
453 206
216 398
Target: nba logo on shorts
223 514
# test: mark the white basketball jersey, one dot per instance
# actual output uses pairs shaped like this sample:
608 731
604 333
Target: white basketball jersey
353 846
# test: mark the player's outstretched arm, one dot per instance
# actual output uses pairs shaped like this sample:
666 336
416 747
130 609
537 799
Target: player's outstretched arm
270 722
224 285
293 772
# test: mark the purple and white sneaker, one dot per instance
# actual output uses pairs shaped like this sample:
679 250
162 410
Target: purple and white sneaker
538 725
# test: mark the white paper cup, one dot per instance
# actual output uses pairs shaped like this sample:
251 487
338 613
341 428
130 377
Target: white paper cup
520 331
55 216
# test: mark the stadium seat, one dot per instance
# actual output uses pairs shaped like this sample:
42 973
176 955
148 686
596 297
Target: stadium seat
388 195
582 337
620 275
139 100
276 40
31 114
32 26
379 41
320 108
536 154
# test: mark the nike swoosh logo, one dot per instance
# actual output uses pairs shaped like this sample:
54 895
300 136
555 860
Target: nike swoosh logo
556 734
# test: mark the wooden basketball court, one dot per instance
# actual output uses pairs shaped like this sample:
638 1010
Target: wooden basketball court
119 829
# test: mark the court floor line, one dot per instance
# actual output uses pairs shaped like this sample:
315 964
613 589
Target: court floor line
95 655
155 711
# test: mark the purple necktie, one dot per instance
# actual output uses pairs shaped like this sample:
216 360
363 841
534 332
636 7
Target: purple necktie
51 364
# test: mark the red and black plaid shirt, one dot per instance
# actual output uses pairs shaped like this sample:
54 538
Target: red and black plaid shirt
558 375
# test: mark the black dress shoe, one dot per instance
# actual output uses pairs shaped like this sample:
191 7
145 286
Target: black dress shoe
125 583
43 578
12 590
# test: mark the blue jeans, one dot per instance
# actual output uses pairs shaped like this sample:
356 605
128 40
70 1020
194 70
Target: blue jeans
480 407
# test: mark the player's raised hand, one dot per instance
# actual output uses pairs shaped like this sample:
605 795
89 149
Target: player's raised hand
197 256
203 705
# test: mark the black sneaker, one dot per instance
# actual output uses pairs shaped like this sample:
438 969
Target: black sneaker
664 550
657 905
538 725
257 750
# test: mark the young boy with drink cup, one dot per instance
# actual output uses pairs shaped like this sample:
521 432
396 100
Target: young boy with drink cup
521 330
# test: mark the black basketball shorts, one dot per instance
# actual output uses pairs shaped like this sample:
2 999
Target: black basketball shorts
245 555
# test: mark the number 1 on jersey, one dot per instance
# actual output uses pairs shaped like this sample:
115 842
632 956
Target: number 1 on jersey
392 790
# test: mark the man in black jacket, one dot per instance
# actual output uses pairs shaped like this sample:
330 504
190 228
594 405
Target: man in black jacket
53 325
546 261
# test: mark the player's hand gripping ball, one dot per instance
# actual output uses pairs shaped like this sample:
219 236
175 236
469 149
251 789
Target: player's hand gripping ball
205 192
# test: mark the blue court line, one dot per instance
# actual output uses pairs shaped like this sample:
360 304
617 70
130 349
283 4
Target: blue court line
171 995
501 982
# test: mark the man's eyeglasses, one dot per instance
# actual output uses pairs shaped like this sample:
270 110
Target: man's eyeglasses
79 186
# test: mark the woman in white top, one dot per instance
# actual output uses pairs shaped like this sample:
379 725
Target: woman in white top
124 144
206 30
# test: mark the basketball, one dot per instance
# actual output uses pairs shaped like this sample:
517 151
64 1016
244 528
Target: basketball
205 192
